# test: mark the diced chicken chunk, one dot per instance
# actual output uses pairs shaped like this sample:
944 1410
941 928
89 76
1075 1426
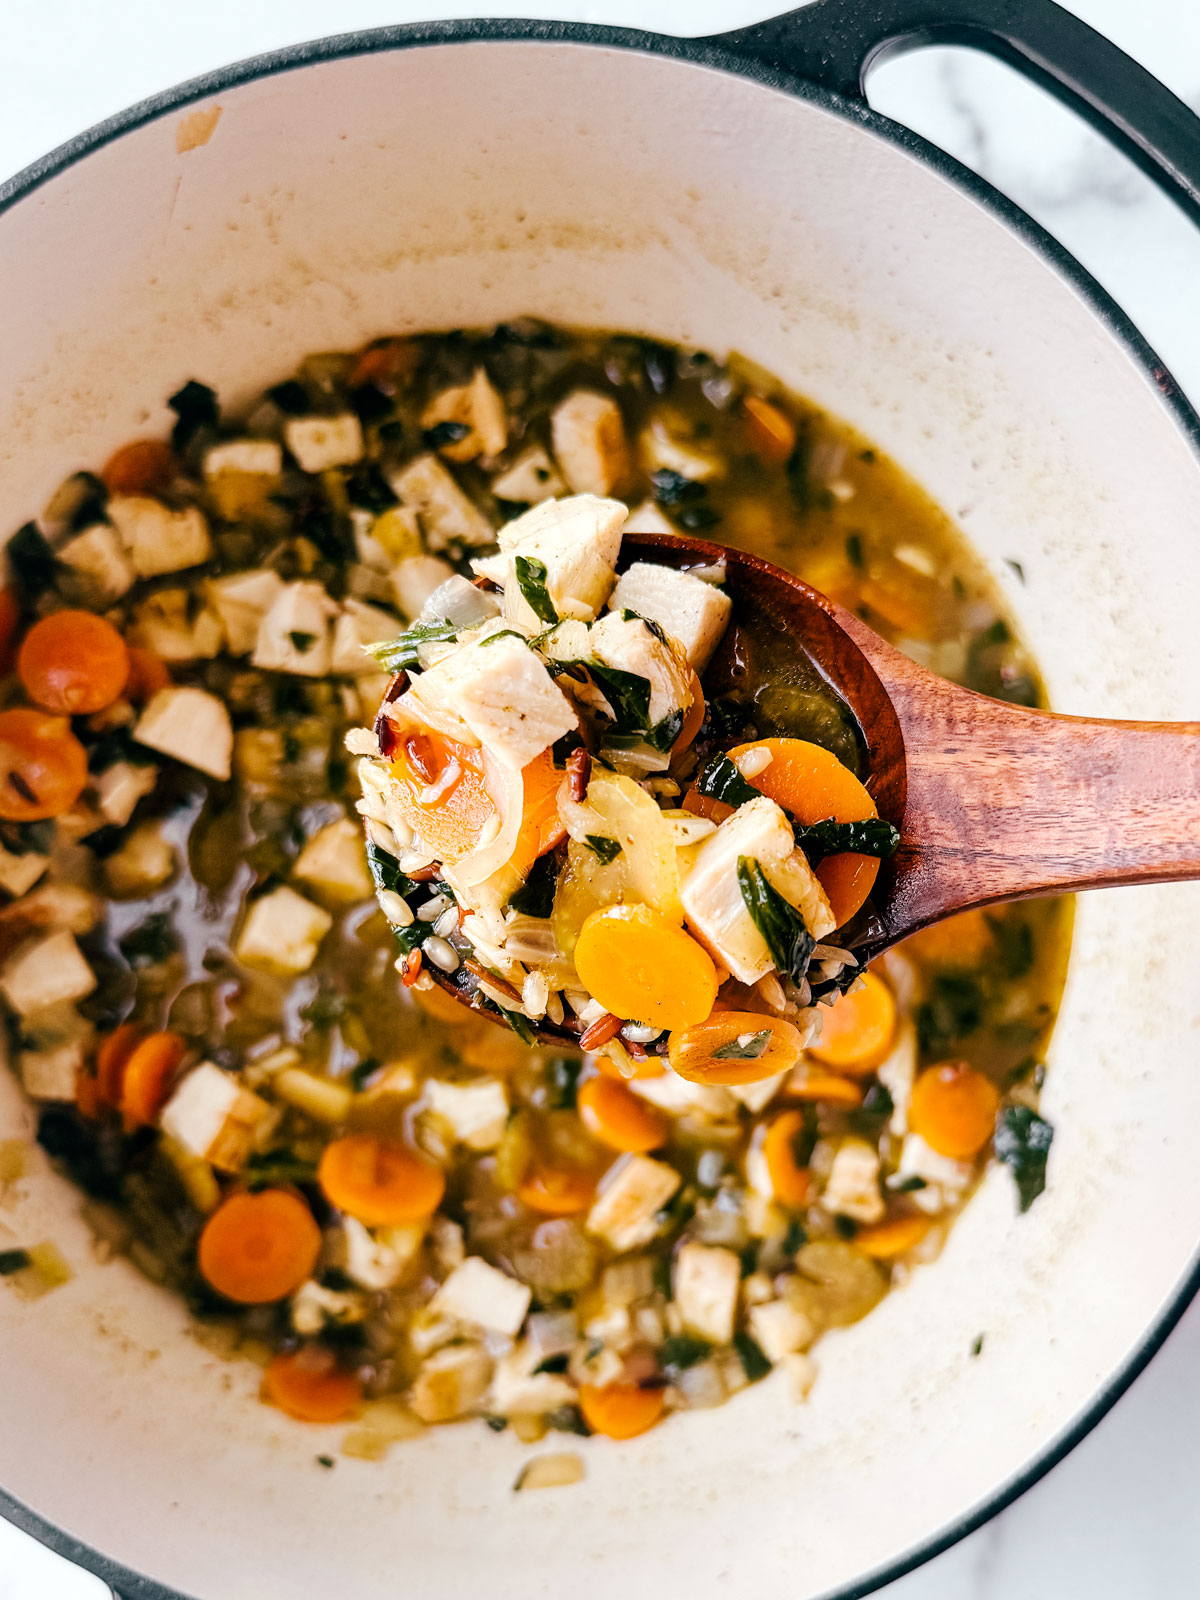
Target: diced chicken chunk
319 443
898 1073
451 1382
258 458
282 932
712 896
121 786
476 1111
417 577
170 625
661 450
376 1260
944 1178
294 635
588 438
158 539
44 972
52 1074
476 407
497 692
633 646
313 1308
706 1290
359 624
241 601
692 611
532 478
852 1188
211 1114
519 1390
97 558
18 874
647 518
334 862
191 725
577 540
625 1212
448 516
779 1328
144 860
478 1293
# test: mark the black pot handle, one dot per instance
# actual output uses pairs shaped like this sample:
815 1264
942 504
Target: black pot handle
834 43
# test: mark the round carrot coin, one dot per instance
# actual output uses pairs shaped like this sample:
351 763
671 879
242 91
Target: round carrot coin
790 1178
857 1030
639 965
618 1118
142 467
896 1237
378 1181
953 1108
256 1248
111 1057
733 1047
43 766
146 1077
147 674
74 662
309 1385
620 1410
557 1191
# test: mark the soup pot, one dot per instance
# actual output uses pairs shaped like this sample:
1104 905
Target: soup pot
732 193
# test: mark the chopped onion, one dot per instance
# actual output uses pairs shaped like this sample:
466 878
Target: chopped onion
460 603
550 1471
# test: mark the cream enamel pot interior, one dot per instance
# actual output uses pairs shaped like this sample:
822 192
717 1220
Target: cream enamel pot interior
423 179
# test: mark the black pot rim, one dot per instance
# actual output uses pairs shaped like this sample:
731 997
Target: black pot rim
708 53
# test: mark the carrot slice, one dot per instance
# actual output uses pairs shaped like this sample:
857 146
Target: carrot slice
379 1182
73 661
620 1410
541 826
638 964
772 433
441 792
734 1047
256 1248
147 674
111 1058
43 766
618 1118
309 1385
643 1067
558 1191
87 1094
813 1083
146 1079
139 468
953 1108
896 1237
814 786
857 1030
961 941
384 363
790 1179
693 720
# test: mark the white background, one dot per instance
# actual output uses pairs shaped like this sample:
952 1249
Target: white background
1117 1520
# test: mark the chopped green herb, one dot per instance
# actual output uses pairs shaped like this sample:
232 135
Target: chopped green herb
781 925
977 1344
14 1261
362 1074
661 1277
502 633
444 433
754 1363
496 1424
30 561
519 1025
722 781
568 1419
854 550
531 580
291 397
664 733
628 693
195 407
671 488
680 1351
873 836
302 641
954 1008
400 653
535 897
606 850
1014 944
385 870
1022 1143
898 1185
326 1461
1016 567
278 1166
555 1363
746 1047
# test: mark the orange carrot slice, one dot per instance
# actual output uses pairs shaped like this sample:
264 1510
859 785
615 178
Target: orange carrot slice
74 662
111 1058
638 964
142 467
814 1083
146 1078
257 1248
772 433
620 1410
378 1181
896 1237
618 1118
953 1108
734 1047
558 1191
309 1385
43 766
857 1030
790 1180
147 674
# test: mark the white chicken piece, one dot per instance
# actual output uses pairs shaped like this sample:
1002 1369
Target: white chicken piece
313 1308
661 450
158 539
631 645
448 515
416 578
375 1260
587 435
120 787
852 1188
319 443
945 1179
577 541
334 862
45 972
477 1112
294 634
531 478
478 1293
712 897
191 725
97 558
169 624
779 1328
479 409
52 1074
518 1389
255 458
214 1116
359 624
18 874
706 1281
451 1382
282 932
242 600
625 1211
693 612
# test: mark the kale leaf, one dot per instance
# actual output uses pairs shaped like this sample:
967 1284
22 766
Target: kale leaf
872 836
781 925
400 653
531 580
1022 1143
722 781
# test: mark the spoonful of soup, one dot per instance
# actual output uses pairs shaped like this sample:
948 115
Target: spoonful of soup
576 826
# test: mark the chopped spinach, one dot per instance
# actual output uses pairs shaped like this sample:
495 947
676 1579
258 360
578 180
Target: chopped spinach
556 1363
746 1047
671 488
290 396
977 1345
796 1236
302 641
30 561
14 1261
568 1419
325 1008
954 1008
628 693
366 486
411 937
661 1276
362 1074
385 870
535 897
562 1081
781 925
606 850
444 433
519 1025
754 1363
665 732
680 1351
872 836
326 1461
722 781
531 580
496 1424
400 653
151 942
1014 945
195 407
1022 1143
117 745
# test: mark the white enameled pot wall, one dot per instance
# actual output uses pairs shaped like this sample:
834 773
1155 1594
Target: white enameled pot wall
431 187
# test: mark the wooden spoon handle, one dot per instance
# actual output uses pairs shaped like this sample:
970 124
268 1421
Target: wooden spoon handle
1004 803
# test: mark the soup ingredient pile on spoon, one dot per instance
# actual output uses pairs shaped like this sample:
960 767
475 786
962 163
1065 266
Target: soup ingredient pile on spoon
555 831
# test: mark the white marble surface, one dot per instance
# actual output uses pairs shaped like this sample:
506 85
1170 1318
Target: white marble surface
1116 1520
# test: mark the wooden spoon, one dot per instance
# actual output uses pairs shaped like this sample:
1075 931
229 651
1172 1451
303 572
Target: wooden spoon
993 801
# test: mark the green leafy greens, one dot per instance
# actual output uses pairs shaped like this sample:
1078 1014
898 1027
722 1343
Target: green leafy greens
400 653
746 1047
781 925
1022 1143
873 836
603 848
531 580
722 781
